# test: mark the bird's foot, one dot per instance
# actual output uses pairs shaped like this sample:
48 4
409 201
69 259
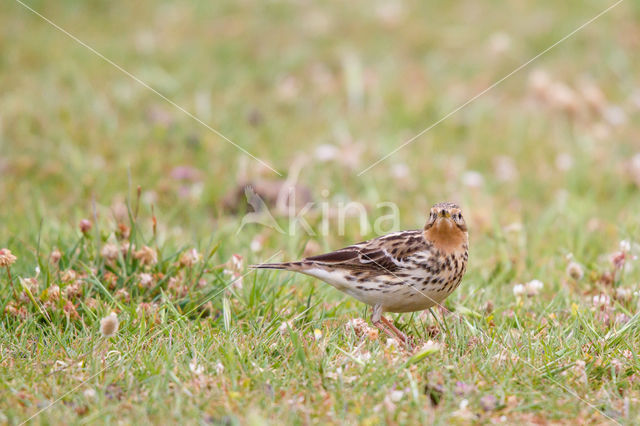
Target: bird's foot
393 332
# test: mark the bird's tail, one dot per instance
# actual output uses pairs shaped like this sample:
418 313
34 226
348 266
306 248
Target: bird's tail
288 266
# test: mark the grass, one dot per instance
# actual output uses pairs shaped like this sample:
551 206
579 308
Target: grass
542 165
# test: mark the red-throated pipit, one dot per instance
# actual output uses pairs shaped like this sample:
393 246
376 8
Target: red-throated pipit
404 271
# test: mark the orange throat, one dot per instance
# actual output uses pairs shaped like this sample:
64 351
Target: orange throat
446 236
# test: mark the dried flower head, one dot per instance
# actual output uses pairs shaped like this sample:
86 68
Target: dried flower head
15 310
68 276
617 259
91 303
109 252
145 280
574 270
146 255
6 258
110 280
85 226
122 294
190 258
127 247
73 290
109 325
358 325
53 292
69 310
623 294
145 309
177 288
55 256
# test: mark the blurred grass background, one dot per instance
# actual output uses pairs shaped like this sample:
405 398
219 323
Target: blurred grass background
543 164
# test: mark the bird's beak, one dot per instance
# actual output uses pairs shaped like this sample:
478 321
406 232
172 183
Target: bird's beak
444 214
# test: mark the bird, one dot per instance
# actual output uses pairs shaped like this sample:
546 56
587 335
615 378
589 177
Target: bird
406 271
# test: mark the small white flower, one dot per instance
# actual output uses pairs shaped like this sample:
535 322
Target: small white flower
146 280
518 290
285 326
400 171
364 358
195 367
219 368
326 152
256 244
234 268
564 162
430 345
505 168
472 179
601 300
533 287
499 43
625 246
89 393
614 115
396 395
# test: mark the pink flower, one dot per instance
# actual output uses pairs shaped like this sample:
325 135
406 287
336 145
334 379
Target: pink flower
85 226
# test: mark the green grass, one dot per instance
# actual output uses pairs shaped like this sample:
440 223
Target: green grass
78 138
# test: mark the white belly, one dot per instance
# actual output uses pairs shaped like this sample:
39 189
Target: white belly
407 297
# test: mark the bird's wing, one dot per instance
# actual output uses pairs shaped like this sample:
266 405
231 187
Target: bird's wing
386 253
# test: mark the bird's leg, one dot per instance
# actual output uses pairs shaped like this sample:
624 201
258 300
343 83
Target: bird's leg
387 326
399 334
376 318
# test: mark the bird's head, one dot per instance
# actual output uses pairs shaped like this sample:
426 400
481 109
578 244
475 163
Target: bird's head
446 226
